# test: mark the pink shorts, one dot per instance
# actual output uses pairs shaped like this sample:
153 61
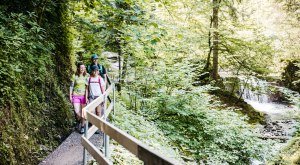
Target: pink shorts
78 99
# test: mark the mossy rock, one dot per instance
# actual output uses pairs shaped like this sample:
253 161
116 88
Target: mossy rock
290 78
246 109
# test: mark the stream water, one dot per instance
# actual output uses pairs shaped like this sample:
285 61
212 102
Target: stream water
271 100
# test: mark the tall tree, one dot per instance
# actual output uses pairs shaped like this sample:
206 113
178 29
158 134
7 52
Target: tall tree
215 46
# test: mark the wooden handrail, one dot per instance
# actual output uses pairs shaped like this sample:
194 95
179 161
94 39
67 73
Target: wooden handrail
93 104
135 146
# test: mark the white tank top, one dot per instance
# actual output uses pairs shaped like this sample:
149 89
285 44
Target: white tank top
94 85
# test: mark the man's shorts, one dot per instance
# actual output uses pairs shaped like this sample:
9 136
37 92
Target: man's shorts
78 99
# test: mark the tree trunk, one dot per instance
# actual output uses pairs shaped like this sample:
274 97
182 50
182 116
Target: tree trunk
215 46
124 68
206 68
118 85
119 63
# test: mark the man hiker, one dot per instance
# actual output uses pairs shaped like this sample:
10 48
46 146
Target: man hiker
102 70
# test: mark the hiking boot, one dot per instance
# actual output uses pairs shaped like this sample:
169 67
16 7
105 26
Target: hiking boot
82 130
77 126
101 148
98 132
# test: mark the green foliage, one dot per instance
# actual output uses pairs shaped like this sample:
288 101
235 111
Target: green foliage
124 27
211 136
242 107
187 117
247 56
290 155
292 7
146 131
162 43
33 107
292 96
291 75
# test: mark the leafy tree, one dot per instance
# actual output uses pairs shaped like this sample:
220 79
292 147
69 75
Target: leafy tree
184 114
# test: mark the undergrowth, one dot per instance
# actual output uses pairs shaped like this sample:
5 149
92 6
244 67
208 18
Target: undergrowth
191 120
145 131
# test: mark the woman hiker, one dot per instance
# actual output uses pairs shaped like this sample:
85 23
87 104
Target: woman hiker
96 87
78 94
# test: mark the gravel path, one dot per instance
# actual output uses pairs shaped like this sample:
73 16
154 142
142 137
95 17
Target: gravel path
70 152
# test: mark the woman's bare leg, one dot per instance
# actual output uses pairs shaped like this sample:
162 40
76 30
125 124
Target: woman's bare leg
77 110
98 111
82 121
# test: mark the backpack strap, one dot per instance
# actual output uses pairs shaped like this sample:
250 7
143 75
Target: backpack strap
89 69
89 81
89 86
100 68
75 78
100 84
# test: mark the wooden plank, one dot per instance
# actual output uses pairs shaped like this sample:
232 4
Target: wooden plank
91 131
130 143
100 158
148 156
118 136
108 110
94 103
